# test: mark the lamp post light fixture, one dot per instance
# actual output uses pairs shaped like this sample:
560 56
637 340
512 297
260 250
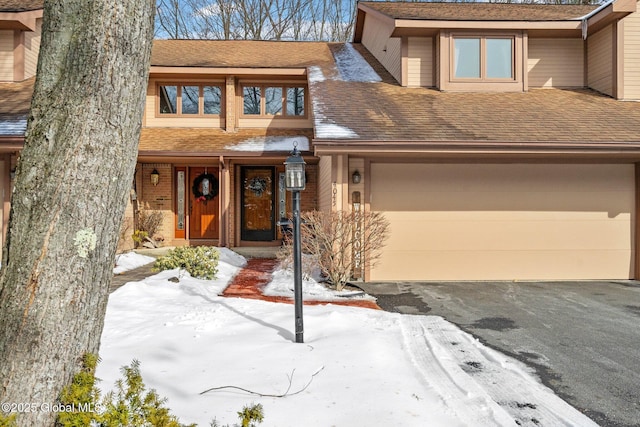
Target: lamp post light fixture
295 182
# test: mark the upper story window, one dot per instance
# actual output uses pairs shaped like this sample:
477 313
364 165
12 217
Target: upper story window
483 58
274 100
196 100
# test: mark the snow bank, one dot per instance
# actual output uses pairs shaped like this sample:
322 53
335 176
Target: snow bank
360 367
130 261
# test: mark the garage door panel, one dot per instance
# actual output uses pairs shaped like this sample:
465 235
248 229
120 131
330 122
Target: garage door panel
507 177
502 221
473 265
511 235
486 215
612 203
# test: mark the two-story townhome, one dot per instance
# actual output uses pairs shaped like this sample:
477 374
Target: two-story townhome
497 144
501 141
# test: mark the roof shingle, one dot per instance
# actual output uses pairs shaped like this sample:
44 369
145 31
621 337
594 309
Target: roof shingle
20 5
435 11
238 53
385 111
208 141
16 98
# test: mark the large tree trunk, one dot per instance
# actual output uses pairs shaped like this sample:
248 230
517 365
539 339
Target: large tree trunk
73 178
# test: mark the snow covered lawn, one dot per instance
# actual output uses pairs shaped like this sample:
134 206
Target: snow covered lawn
129 261
362 367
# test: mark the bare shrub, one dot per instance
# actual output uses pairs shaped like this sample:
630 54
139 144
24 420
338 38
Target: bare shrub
284 255
150 221
342 242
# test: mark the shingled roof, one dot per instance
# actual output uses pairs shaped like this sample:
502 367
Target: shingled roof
349 111
215 141
20 5
480 11
384 112
238 53
14 108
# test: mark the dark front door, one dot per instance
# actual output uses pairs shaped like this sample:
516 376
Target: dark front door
258 198
203 202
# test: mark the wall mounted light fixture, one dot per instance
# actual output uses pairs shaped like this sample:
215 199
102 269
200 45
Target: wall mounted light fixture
356 177
155 177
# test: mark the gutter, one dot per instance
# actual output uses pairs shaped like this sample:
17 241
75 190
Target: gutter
585 18
395 144
478 148
226 154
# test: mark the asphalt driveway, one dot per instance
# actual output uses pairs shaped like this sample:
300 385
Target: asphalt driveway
583 338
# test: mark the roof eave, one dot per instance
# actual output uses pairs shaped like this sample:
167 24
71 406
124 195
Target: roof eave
594 150
363 10
410 26
407 27
611 12
25 21
182 70
11 144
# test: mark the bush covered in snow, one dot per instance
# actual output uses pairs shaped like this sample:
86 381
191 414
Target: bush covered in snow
200 261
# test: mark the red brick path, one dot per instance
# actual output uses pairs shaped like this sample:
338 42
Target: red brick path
252 279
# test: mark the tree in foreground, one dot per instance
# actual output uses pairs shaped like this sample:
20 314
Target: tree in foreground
73 178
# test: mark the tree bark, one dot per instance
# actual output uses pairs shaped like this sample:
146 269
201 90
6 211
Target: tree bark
73 178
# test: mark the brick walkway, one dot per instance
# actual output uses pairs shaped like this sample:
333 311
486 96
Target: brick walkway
134 275
252 279
248 283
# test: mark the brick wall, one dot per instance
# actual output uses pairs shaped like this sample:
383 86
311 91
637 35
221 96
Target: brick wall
125 242
159 197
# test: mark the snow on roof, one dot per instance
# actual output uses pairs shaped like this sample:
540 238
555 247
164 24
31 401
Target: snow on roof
315 74
271 143
13 127
326 128
353 67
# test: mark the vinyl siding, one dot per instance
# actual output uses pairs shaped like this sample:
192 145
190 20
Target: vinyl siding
632 56
375 37
600 61
324 184
420 61
32 49
556 63
6 56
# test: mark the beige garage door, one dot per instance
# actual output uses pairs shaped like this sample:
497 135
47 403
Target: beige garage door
505 221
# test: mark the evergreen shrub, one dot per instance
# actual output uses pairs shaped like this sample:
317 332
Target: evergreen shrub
199 261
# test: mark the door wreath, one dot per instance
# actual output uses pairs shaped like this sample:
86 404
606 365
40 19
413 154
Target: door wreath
205 187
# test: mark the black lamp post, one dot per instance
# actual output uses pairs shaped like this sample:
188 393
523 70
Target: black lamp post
295 182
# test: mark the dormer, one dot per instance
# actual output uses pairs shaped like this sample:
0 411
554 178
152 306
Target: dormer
494 46
20 30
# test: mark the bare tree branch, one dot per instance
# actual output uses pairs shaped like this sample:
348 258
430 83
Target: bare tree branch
285 394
